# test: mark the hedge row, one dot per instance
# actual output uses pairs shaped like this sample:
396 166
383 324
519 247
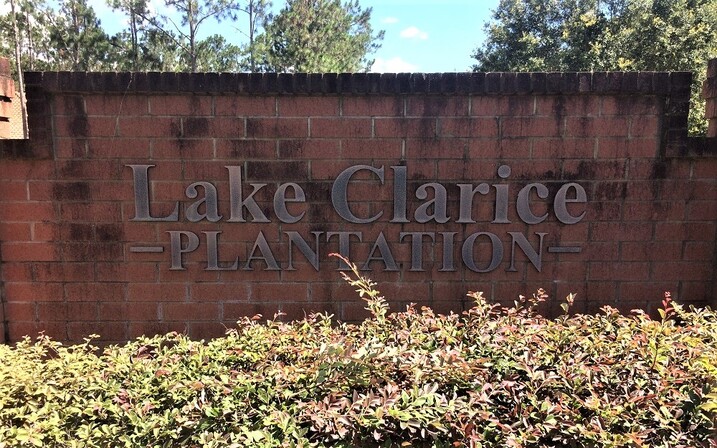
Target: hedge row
490 377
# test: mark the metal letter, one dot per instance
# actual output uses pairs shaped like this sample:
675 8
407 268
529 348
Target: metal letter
344 245
501 197
467 252
213 254
209 200
523 205
300 242
266 254
536 258
466 201
141 196
280 201
339 193
399 194
175 237
448 264
381 244
438 204
236 201
417 247
561 210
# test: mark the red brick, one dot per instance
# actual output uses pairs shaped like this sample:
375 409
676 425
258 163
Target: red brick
532 127
468 127
157 292
685 271
190 311
619 148
245 106
70 104
289 106
608 231
98 211
15 231
310 149
27 211
19 311
23 170
33 292
77 127
695 251
62 311
597 127
619 271
429 149
23 251
55 330
137 329
629 105
205 330
694 231
115 105
82 169
654 211
436 106
219 292
277 292
14 190
245 149
133 127
107 331
647 251
566 105
340 127
95 291
277 128
128 311
191 105
372 106
705 168
702 210
644 127
564 148
17 272
210 127
121 272
582 170
405 127
118 148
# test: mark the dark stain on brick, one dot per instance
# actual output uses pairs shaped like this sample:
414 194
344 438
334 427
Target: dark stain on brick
291 148
585 170
559 107
659 170
196 127
611 191
71 191
109 232
253 127
277 170
245 148
79 126
317 191
81 232
73 168
319 213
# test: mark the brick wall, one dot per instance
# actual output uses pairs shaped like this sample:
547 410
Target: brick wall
81 255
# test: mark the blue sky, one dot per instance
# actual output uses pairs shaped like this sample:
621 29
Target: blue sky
420 35
428 35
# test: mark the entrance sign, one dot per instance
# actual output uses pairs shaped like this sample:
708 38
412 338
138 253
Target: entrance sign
482 203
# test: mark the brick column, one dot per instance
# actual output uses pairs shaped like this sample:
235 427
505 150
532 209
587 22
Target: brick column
709 93
7 92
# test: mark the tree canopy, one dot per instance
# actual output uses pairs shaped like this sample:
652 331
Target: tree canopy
604 35
306 35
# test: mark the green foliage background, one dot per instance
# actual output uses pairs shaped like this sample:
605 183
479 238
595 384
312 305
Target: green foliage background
604 35
489 377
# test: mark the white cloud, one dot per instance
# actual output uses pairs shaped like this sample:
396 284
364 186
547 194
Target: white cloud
414 33
393 65
389 20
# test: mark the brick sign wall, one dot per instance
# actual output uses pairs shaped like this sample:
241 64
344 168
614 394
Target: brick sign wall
146 203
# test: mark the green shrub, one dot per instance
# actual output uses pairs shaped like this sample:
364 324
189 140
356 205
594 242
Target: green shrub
490 377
